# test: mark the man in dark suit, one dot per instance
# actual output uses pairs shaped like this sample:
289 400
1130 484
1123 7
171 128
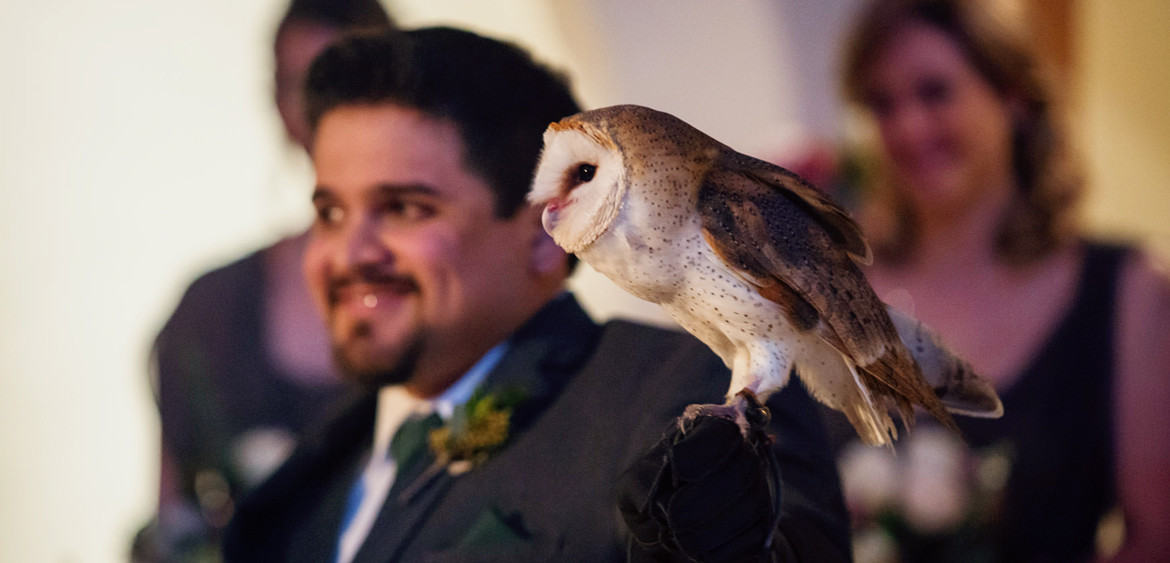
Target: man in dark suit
443 295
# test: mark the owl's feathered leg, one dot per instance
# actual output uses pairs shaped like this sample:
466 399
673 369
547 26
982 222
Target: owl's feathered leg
754 370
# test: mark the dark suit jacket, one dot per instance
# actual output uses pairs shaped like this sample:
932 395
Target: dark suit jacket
599 397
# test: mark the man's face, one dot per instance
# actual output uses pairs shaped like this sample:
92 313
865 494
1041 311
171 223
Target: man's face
415 275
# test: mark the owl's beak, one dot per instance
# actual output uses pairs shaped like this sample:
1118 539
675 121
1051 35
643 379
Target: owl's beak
552 213
549 219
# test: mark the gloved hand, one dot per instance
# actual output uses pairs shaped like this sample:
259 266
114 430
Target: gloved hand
703 493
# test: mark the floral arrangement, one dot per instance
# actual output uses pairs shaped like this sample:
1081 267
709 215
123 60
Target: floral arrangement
935 501
475 431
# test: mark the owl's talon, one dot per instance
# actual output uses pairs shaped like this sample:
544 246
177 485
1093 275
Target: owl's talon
758 416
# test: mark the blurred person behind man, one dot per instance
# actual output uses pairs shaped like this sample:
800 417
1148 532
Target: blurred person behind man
242 366
445 298
972 222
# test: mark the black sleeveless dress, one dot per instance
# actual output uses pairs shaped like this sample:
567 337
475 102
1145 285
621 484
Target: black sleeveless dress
1058 428
1054 446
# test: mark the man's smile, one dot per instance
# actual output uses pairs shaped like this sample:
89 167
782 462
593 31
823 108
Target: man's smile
361 297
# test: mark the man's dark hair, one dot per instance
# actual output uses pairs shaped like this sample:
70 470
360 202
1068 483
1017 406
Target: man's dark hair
498 97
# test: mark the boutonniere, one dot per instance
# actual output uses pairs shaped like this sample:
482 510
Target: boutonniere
477 429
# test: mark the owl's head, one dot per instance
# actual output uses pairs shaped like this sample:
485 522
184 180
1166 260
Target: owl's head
580 181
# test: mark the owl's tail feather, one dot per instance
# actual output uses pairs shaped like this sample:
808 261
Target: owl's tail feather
834 380
954 381
896 378
873 424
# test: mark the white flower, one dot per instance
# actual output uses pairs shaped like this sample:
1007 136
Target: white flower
934 486
869 478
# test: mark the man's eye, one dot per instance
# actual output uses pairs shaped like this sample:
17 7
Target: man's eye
408 211
329 215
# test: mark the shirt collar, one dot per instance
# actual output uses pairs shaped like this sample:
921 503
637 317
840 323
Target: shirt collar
396 404
461 391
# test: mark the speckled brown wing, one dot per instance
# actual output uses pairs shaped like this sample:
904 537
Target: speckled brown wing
838 225
799 248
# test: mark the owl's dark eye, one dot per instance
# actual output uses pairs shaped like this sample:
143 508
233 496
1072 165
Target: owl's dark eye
585 172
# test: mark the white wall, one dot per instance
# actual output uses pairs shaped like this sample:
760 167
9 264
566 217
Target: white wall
1124 118
136 149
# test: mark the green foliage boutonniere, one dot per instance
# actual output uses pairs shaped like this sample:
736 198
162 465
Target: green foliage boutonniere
476 430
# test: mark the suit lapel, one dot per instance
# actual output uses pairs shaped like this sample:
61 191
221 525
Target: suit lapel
402 515
541 357
318 539
544 354
334 463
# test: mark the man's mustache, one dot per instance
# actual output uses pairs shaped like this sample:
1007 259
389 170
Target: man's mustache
394 282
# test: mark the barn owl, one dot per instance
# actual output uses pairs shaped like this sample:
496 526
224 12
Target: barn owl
756 263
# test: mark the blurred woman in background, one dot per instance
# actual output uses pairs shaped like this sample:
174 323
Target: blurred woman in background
972 223
243 364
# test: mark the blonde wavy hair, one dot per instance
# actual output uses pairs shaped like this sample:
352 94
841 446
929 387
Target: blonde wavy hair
1049 185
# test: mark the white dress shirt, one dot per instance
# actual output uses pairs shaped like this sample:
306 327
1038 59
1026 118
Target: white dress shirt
395 405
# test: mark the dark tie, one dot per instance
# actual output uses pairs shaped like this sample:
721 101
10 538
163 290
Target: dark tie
406 447
410 441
